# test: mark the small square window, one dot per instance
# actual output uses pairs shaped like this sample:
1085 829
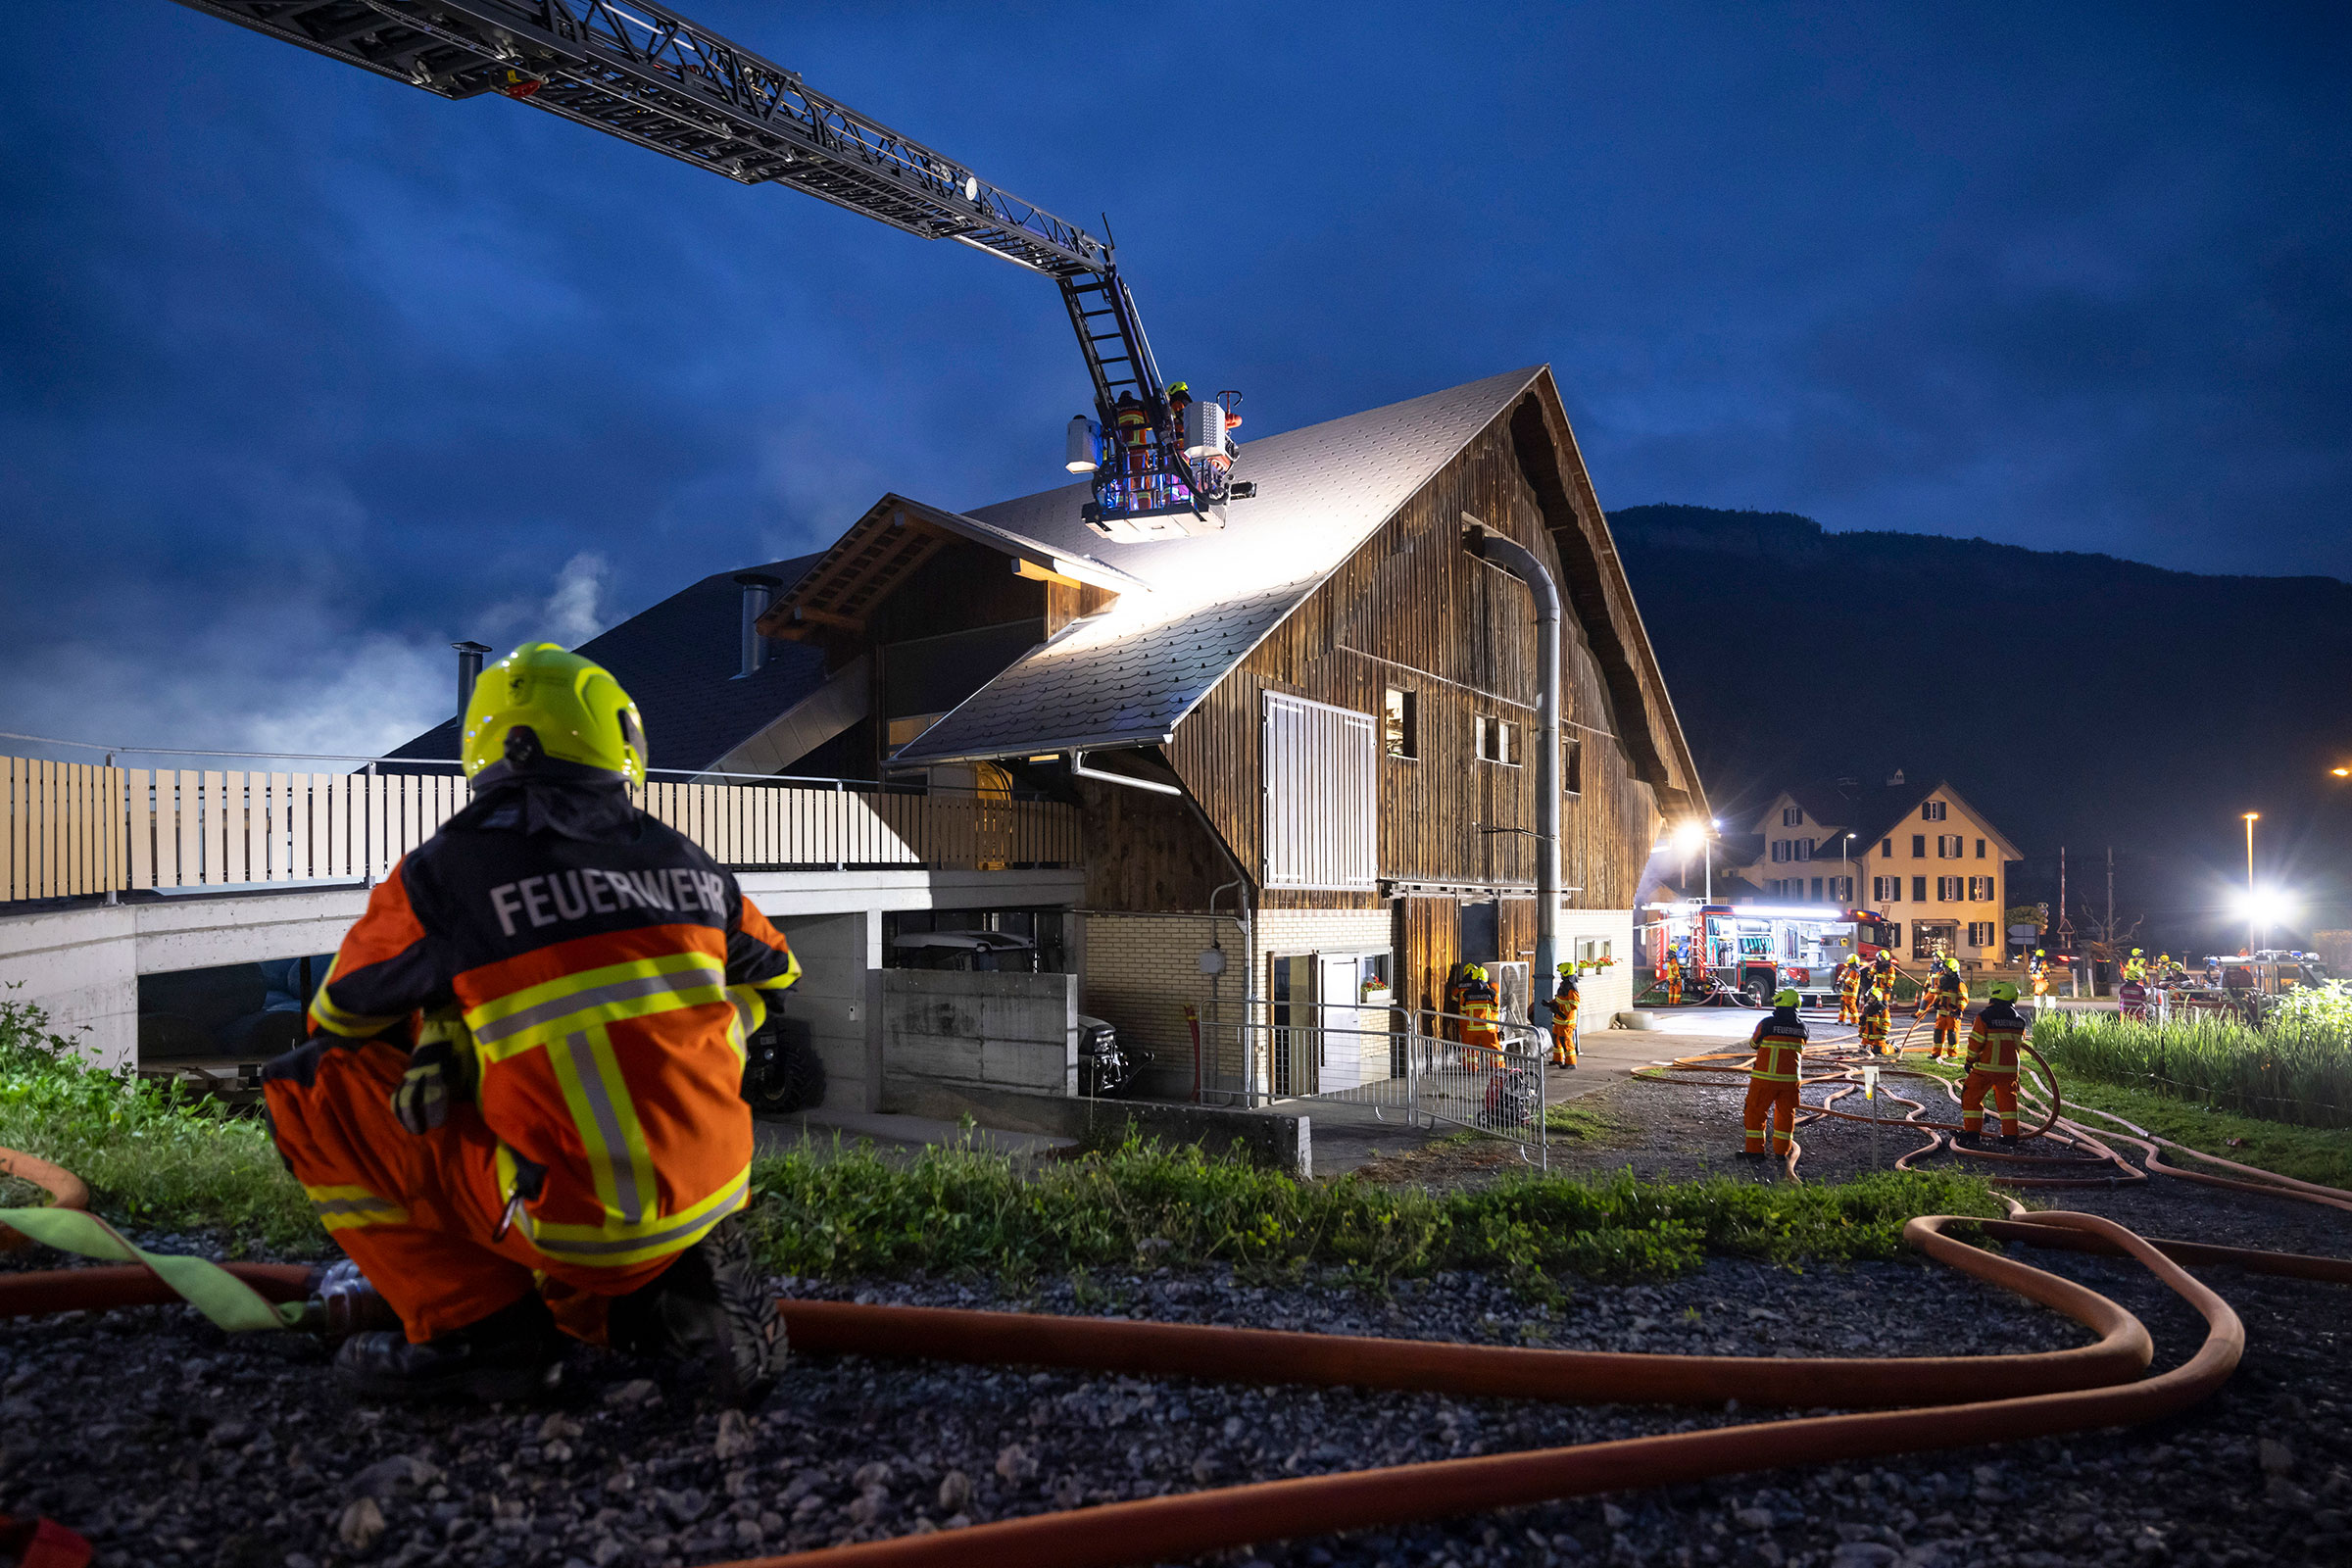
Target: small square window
1980 849
1932 811
1918 846
1791 815
1919 890
1494 740
1571 765
1885 846
1398 723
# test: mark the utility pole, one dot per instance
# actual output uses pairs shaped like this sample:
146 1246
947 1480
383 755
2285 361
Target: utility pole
2251 819
2111 958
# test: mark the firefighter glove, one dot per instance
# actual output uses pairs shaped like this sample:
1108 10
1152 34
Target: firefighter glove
442 1070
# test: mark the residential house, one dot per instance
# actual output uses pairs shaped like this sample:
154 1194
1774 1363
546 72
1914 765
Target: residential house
1918 854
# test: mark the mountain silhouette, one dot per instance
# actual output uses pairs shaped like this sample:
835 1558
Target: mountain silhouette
2079 700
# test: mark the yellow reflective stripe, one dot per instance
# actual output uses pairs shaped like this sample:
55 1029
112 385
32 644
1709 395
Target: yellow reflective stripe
340 1021
598 996
791 975
343 1207
490 1017
750 1011
618 1163
618 1245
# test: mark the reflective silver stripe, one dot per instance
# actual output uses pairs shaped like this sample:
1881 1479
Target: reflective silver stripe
629 990
355 1205
608 1129
638 1244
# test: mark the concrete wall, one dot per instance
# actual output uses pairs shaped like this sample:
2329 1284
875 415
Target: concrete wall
82 964
1015 1031
836 1001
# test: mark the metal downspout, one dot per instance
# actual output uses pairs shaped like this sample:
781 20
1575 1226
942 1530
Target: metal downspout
1521 563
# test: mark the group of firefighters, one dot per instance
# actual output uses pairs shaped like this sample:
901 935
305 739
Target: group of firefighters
1995 1041
1476 1006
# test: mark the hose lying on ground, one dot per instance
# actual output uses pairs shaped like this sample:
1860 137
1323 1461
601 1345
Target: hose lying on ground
2039 1393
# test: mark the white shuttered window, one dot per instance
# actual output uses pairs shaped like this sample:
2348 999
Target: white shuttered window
1322 806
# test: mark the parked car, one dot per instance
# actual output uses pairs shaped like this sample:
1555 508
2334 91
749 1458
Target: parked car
1105 1065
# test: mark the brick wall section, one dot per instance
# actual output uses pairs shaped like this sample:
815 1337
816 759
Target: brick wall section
1140 971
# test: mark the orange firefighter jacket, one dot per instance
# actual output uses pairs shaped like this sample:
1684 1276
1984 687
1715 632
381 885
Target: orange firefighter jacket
1780 1042
606 971
1994 1040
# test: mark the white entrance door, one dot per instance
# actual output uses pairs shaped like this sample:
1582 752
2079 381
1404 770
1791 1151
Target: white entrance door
1340 1057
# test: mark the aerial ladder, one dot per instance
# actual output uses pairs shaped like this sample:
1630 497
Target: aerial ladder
644 74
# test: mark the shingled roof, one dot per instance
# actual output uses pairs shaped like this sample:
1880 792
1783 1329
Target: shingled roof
680 659
1126 676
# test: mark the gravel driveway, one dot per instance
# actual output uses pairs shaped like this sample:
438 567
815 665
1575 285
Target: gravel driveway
170 1444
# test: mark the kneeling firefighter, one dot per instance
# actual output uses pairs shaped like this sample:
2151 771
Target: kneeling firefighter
1773 1077
520 1108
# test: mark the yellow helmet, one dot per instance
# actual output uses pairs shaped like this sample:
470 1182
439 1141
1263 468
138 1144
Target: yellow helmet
570 708
2004 991
1785 998
1185 387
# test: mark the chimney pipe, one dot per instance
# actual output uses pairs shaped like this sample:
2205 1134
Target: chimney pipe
470 669
759 592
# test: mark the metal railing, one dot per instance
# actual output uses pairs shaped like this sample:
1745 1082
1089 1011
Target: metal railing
72 829
1413 1066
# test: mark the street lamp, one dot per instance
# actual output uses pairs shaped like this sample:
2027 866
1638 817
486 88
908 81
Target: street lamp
2251 817
1846 867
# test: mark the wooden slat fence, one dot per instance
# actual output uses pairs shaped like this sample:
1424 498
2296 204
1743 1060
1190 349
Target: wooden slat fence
75 829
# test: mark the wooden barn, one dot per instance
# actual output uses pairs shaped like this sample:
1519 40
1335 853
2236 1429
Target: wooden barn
1300 742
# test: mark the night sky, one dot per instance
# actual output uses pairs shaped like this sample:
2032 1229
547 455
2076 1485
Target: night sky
303 374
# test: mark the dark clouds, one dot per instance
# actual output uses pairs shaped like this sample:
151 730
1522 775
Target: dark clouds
303 374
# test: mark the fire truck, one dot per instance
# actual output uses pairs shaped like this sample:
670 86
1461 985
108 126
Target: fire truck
1759 949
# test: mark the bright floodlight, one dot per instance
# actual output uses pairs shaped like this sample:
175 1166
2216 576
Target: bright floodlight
1689 836
2267 905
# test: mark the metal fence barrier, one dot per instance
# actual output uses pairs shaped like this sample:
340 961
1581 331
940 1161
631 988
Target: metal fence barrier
1402 1064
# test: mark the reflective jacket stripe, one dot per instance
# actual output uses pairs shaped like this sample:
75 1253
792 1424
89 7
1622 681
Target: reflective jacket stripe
346 1208
618 1245
606 1120
503 1028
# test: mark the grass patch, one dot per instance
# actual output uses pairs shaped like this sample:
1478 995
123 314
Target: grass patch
1581 1120
2306 1153
2297 1067
962 1211
154 1156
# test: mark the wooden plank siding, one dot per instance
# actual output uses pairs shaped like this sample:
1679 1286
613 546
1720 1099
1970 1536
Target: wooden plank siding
1411 609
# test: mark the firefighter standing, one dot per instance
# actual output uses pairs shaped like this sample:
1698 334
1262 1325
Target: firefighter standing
1773 1077
2136 968
1873 1022
520 1108
1950 999
2037 971
1559 1014
1673 979
1993 1059
1849 989
1482 1019
1135 432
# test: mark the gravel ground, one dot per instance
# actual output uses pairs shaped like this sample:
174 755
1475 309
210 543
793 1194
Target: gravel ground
168 1444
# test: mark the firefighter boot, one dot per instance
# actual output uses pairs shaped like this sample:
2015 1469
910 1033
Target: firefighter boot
713 1308
514 1353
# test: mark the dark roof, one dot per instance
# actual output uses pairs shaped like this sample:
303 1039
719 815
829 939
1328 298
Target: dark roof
1870 812
678 659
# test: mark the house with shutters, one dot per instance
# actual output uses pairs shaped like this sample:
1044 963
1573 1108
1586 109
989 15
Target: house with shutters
1918 854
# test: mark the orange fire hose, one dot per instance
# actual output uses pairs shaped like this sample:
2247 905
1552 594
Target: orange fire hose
2076 1389
64 1188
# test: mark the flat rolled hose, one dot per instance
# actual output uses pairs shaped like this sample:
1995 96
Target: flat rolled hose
64 1188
